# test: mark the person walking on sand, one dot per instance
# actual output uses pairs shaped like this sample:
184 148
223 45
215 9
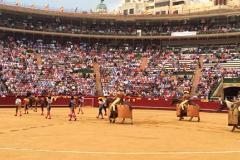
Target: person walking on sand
101 103
49 102
72 109
80 104
18 103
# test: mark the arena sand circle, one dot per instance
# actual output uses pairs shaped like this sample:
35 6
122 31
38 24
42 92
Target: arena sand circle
155 134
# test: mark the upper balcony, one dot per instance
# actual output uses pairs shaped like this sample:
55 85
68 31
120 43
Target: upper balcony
224 23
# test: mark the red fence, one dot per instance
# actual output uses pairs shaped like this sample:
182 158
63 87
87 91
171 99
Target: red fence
145 103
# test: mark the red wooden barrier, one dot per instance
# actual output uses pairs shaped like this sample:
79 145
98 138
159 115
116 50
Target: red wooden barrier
136 102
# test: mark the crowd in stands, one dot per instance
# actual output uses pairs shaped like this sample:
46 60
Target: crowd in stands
42 68
122 71
114 28
67 68
53 68
218 63
3 90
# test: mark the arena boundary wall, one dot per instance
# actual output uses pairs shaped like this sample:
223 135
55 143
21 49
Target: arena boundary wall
136 102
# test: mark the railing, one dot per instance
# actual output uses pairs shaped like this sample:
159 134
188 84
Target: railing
215 87
184 73
85 70
62 34
136 102
224 80
231 80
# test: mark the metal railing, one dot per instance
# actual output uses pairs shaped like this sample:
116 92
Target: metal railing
231 80
215 87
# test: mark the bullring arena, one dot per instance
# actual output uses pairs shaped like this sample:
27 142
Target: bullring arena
155 69
155 134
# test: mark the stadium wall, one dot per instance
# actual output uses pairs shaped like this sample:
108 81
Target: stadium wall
136 102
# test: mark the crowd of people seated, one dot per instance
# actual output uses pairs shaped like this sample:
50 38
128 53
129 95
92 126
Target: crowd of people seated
3 90
45 68
114 28
121 70
162 77
218 63
51 67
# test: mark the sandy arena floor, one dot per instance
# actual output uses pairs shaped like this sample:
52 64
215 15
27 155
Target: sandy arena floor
156 134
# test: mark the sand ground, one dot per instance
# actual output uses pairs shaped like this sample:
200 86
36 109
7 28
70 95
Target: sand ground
155 134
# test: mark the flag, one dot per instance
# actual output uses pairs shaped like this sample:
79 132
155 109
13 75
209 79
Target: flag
46 7
61 9
33 5
76 9
17 2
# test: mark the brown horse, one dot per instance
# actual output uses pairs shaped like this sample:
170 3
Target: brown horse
112 109
125 111
35 101
119 108
190 109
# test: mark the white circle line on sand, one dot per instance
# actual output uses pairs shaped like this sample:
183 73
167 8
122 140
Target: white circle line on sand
122 153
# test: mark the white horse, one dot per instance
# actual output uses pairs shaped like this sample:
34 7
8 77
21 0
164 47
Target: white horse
233 114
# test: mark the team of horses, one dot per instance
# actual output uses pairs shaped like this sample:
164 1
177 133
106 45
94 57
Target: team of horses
33 102
186 108
121 109
191 110
118 110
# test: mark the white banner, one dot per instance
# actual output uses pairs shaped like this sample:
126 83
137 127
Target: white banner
187 33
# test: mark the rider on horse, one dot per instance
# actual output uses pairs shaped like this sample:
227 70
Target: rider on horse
113 107
184 104
233 114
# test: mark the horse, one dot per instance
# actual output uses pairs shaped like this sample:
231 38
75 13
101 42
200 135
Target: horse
233 114
191 109
35 102
119 108
113 113
125 111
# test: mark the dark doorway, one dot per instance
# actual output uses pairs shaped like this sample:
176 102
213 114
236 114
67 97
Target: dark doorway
231 92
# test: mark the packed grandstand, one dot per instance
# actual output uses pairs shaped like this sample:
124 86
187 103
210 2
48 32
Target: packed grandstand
45 52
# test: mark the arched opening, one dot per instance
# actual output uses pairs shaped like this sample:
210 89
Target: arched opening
231 92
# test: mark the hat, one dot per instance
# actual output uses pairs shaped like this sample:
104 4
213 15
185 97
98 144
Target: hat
186 92
100 98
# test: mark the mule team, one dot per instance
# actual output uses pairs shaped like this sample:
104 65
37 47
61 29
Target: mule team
112 104
118 107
